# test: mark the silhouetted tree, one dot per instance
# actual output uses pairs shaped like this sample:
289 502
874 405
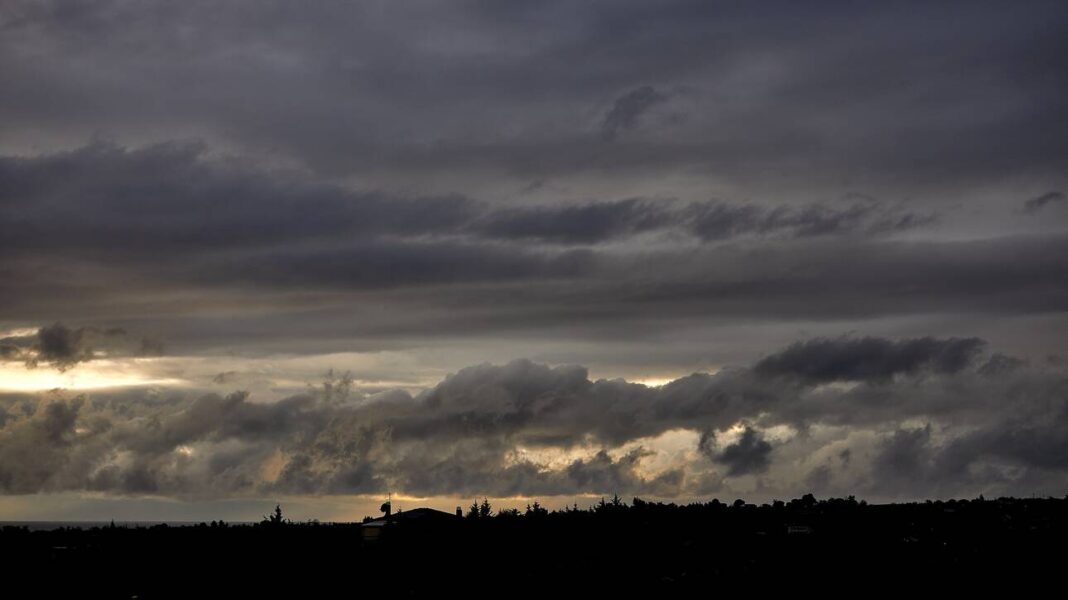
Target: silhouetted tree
537 510
481 510
275 518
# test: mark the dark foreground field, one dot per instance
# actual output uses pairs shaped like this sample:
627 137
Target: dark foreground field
614 548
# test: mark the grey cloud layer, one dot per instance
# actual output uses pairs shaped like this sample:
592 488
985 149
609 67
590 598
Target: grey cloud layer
174 197
835 137
123 230
820 93
474 433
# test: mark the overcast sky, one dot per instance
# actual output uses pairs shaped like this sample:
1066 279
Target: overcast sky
320 252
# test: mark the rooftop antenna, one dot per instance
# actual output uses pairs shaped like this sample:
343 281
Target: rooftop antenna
387 506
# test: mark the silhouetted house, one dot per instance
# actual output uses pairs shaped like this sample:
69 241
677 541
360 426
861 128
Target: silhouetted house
417 517
372 530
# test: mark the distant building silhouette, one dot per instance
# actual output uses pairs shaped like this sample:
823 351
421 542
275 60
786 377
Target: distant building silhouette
372 530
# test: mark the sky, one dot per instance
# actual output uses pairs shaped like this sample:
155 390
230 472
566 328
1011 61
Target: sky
323 253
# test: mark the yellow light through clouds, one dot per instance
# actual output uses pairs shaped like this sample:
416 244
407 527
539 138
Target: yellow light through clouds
99 374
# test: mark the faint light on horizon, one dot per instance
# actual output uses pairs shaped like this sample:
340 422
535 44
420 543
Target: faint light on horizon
16 377
661 381
654 381
19 332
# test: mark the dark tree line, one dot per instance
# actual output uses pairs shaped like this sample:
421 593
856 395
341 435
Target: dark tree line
612 546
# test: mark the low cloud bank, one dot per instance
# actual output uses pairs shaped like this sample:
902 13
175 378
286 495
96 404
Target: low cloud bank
886 418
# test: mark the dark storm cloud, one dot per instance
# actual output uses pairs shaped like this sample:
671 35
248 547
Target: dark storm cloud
475 431
61 347
588 223
489 288
869 359
718 221
385 264
1038 203
863 278
627 109
709 221
174 197
904 457
106 220
1041 444
121 203
750 454
224 377
167 215
999 364
38 449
